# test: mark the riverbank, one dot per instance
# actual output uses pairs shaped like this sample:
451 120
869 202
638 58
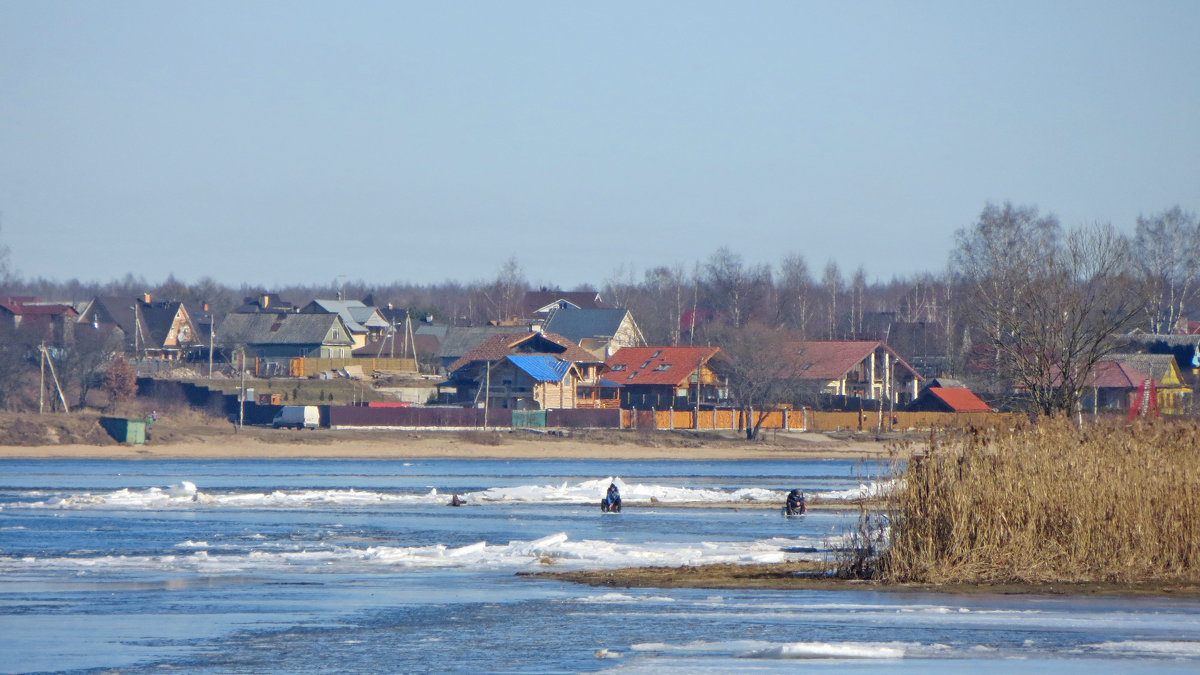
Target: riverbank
811 576
193 436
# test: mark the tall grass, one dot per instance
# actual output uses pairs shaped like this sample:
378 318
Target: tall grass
1107 503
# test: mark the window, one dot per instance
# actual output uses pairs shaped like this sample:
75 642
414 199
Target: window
618 368
661 368
647 363
656 354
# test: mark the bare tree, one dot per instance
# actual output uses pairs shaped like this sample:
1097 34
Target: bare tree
832 281
735 289
507 289
754 371
1167 255
1049 306
795 293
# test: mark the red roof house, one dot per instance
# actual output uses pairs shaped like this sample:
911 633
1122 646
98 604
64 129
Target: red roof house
666 377
850 368
948 399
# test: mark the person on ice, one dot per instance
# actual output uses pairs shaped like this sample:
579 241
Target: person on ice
795 503
612 499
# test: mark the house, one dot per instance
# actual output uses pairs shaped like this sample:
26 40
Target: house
600 331
949 400
527 371
50 322
365 323
539 304
1174 394
153 329
457 341
668 377
1112 387
275 341
861 368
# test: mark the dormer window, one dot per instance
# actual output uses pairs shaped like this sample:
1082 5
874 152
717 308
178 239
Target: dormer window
656 354
618 368
661 368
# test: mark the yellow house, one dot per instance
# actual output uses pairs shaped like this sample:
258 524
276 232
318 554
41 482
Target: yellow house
1174 395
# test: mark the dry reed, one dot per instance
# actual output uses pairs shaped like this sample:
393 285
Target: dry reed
1051 503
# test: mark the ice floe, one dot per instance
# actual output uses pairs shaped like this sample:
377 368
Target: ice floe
186 494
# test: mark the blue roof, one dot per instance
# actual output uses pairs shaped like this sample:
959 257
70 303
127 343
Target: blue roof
541 367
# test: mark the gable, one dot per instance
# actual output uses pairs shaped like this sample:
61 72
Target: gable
657 365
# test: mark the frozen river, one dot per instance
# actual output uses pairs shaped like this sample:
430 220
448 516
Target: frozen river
359 566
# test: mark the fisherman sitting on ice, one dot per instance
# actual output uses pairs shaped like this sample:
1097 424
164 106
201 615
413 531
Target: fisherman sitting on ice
612 499
795 503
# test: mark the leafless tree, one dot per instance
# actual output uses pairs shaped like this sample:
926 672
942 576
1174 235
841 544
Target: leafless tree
1050 306
735 289
832 281
754 370
795 294
507 289
1167 254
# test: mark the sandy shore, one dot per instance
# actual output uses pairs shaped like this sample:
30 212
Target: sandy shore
283 444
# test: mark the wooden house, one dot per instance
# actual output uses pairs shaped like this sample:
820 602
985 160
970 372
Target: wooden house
529 371
866 369
276 341
666 378
1174 394
151 329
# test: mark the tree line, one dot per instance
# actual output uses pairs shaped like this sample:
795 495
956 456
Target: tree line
1022 301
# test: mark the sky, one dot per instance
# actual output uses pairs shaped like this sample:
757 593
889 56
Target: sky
278 143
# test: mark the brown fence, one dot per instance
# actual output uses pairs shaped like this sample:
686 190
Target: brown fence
810 420
306 367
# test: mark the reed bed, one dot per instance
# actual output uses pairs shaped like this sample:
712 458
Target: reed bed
1051 503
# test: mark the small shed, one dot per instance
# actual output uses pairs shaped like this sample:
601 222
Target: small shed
125 430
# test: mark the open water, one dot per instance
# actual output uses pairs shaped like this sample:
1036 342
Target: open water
359 566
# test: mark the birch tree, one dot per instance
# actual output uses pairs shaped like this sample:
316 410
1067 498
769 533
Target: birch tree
1050 304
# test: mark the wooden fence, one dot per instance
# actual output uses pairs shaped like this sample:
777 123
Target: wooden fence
811 420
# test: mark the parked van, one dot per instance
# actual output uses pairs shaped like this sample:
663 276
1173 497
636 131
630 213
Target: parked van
298 417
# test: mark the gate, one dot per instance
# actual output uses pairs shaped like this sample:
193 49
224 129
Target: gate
529 419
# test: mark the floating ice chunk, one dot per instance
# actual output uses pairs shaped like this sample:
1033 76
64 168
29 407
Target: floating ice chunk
826 650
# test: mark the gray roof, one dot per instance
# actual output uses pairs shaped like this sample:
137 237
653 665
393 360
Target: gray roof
357 316
279 329
1157 366
581 324
459 340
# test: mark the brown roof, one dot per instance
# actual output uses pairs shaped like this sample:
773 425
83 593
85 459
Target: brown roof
499 346
1116 375
657 365
832 359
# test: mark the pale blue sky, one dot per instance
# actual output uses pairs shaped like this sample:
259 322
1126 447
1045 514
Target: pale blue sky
285 142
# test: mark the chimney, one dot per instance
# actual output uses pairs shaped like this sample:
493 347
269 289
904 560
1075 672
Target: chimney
146 298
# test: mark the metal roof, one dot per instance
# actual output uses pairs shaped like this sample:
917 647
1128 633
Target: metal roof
541 367
580 324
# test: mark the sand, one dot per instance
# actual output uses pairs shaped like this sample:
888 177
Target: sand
288 444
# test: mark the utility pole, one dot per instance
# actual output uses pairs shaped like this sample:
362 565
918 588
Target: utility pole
242 389
487 389
212 332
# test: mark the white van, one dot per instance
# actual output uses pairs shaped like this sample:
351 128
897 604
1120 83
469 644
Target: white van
298 417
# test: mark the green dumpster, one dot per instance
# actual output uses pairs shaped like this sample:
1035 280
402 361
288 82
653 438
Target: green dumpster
125 430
